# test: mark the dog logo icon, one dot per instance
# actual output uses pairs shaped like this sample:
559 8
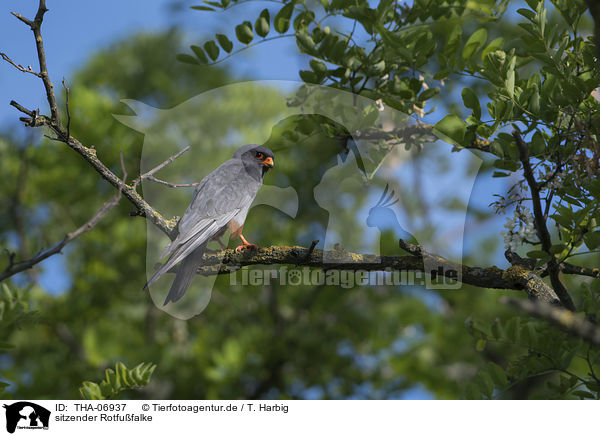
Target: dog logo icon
26 415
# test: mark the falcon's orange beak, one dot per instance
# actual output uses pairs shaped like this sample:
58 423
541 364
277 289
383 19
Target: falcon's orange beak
268 162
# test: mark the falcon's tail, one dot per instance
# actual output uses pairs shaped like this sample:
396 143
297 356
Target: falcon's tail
185 274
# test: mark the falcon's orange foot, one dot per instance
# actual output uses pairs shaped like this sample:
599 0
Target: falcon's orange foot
245 245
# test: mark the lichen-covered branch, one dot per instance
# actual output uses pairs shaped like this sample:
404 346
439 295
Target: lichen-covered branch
515 277
565 267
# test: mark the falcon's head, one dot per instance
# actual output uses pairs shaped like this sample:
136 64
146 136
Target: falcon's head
256 156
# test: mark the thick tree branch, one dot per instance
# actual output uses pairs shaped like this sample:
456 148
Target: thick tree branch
540 223
565 319
565 268
515 277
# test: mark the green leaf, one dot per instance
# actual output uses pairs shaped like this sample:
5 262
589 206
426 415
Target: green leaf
508 165
453 42
318 67
6 346
529 14
567 357
377 69
493 46
592 239
302 21
557 248
117 380
471 101
538 145
451 129
281 22
496 329
305 42
537 254
212 49
428 93
244 33
199 54
187 59
497 373
309 76
472 392
512 329
262 24
480 346
3 386
500 174
510 77
90 391
533 4
201 8
224 42
485 383
476 40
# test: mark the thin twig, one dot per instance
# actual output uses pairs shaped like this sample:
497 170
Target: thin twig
17 267
36 27
22 109
159 167
172 185
23 19
67 107
19 67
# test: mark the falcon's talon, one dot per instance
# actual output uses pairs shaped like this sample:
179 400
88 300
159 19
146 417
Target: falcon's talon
243 247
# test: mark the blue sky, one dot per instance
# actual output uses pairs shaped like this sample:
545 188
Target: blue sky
74 30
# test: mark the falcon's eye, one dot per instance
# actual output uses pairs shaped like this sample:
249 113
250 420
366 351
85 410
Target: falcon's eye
259 155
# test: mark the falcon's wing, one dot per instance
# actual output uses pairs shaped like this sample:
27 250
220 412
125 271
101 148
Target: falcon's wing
206 229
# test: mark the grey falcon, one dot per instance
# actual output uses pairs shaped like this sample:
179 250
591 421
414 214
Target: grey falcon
220 202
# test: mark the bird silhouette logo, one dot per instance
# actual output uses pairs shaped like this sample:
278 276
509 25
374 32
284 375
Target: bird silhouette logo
382 213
